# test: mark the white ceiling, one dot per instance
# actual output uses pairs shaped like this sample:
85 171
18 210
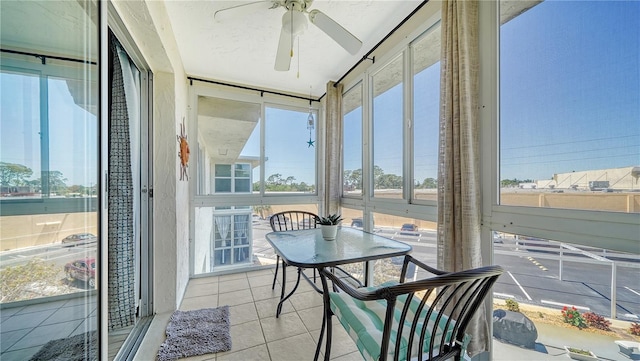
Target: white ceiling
47 28
241 49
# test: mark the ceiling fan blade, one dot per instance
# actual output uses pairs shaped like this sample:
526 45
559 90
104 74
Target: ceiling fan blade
238 10
341 35
283 56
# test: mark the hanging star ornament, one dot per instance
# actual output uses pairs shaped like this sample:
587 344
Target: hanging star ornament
310 142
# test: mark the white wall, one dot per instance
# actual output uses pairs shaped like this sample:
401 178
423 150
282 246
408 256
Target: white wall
203 235
148 24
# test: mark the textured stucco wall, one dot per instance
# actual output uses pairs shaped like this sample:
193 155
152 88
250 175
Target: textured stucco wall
170 119
149 26
164 184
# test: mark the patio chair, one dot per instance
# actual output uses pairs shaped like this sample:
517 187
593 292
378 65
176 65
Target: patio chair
289 221
418 320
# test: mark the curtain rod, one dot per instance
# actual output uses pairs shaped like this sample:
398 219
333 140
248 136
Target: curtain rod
43 58
262 91
366 56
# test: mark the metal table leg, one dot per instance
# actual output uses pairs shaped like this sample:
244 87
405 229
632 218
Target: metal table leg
284 282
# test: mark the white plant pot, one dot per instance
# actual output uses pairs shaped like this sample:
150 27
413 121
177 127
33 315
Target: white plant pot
581 357
329 232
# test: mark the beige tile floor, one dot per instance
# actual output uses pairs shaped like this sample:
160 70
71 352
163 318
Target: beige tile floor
255 331
258 335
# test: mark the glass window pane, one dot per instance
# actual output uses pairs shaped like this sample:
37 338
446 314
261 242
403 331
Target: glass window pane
426 110
569 106
223 185
353 218
544 275
290 161
388 130
420 234
223 170
228 142
49 135
240 178
242 170
352 142
242 185
232 235
20 148
223 257
72 171
242 254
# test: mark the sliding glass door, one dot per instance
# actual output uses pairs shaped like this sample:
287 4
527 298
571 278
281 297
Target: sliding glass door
59 234
49 175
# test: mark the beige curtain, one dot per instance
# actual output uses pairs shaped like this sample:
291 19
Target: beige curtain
333 135
458 163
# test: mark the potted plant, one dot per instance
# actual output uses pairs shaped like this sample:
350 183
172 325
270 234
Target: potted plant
580 354
329 226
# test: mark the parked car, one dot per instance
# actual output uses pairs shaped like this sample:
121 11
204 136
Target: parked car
82 270
409 229
356 222
79 238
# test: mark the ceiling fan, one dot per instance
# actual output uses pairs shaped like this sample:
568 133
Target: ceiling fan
294 22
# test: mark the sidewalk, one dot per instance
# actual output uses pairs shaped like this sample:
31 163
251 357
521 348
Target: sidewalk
550 345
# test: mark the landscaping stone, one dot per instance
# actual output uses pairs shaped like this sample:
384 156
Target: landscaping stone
514 328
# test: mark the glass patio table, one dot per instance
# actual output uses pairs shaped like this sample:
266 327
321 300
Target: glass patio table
307 249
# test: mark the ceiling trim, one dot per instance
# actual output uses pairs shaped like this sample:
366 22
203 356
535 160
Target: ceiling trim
366 56
261 91
44 57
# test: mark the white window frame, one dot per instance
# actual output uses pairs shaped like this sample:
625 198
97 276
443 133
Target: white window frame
608 230
407 206
357 84
198 89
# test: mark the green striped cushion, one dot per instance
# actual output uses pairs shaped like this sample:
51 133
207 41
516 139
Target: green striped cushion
364 321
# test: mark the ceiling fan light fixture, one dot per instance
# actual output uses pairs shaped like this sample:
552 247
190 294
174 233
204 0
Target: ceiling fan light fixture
294 22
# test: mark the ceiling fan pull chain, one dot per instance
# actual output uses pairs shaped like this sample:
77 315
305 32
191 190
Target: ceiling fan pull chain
292 35
298 75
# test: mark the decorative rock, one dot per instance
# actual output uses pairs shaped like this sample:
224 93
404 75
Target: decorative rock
628 348
514 328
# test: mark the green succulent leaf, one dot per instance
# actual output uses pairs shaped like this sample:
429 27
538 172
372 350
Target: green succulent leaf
331 219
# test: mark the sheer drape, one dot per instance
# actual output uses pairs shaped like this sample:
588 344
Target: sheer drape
223 224
131 83
121 198
333 183
242 224
242 229
458 169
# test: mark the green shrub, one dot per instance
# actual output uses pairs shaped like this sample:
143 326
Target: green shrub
579 351
512 305
573 317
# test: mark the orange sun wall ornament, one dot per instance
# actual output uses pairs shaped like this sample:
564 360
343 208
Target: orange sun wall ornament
183 153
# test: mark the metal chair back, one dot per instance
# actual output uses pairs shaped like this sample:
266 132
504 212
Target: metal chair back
430 315
293 220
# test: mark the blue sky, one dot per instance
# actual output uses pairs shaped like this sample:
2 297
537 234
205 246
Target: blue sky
568 101
286 148
72 130
570 88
